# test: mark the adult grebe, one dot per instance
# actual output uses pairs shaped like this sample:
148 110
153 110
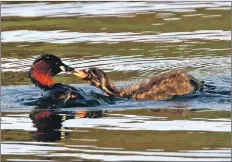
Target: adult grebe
56 94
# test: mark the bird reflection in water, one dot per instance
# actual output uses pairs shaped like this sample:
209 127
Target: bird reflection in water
49 123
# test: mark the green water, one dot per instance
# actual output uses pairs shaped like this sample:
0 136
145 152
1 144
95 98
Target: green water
151 41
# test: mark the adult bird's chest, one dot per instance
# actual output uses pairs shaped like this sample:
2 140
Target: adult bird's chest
61 92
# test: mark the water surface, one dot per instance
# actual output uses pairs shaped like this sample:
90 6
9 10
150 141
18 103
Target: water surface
147 38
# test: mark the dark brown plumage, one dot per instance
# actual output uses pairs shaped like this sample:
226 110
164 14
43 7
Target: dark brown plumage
160 87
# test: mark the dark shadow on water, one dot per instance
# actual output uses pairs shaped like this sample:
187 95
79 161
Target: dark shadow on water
49 123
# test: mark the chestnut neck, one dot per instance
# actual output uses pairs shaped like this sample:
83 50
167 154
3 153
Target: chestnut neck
41 75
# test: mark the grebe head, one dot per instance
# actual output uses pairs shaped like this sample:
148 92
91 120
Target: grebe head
93 75
97 78
45 67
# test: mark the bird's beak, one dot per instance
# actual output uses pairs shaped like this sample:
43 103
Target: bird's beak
81 73
66 68
62 68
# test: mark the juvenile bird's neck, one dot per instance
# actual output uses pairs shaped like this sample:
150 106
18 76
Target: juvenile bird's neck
108 87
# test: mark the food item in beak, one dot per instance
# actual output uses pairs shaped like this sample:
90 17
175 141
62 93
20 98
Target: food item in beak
80 73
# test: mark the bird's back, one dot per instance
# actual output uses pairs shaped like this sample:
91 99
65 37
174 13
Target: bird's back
162 87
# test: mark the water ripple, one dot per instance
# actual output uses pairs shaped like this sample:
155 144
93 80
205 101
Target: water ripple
104 9
113 154
130 63
128 122
62 36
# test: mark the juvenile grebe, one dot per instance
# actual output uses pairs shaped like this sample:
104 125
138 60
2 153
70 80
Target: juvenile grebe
160 87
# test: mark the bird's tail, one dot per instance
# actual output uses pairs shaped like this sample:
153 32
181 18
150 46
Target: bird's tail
201 85
208 87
